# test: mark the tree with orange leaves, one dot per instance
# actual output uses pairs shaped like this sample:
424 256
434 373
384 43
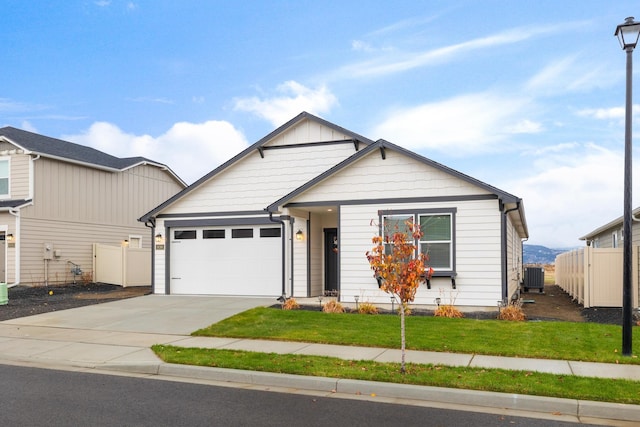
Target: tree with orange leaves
398 269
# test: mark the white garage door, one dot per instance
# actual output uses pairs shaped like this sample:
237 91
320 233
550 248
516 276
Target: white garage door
228 260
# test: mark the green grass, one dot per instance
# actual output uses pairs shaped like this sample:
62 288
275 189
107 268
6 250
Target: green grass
497 380
545 340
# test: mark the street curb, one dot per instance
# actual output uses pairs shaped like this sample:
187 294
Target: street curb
507 401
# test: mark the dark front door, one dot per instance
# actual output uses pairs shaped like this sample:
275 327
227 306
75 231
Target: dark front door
331 261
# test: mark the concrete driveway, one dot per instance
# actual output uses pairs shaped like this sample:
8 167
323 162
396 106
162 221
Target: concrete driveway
153 314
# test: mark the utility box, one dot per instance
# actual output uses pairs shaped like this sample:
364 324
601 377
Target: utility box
533 279
4 294
48 251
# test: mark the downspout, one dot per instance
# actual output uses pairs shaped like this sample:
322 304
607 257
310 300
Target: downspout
505 284
151 223
291 224
16 258
284 247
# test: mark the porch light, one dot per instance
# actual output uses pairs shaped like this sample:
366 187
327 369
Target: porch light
10 238
159 239
299 235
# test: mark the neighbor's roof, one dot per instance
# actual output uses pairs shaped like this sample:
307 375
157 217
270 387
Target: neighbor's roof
615 223
33 143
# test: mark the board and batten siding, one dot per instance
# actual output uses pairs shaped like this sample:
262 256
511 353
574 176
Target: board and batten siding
254 182
19 176
305 132
76 193
477 254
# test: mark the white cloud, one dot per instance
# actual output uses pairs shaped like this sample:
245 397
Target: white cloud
570 74
395 61
295 98
464 124
613 113
28 126
570 191
191 150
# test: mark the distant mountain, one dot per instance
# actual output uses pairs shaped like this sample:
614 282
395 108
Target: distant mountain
536 254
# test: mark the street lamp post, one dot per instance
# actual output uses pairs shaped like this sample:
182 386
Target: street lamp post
627 34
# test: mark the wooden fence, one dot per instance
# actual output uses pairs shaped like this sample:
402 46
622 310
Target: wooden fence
593 276
121 265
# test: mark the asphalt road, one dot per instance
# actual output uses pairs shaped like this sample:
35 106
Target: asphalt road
43 397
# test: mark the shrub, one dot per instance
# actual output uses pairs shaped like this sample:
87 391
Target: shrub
333 306
367 308
290 304
448 310
513 312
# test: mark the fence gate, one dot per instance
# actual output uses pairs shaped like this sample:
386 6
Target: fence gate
121 265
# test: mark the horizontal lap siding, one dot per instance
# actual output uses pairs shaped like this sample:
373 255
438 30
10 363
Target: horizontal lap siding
73 240
478 263
255 182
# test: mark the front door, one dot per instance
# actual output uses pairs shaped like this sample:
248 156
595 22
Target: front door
331 261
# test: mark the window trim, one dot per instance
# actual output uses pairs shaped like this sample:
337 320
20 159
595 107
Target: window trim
416 217
8 177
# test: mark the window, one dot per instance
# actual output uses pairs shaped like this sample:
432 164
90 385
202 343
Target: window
392 224
184 234
4 178
213 234
269 232
241 233
437 240
438 234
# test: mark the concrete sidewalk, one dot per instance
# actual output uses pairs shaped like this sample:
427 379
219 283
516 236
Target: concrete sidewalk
116 336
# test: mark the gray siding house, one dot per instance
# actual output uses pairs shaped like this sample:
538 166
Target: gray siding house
609 235
57 198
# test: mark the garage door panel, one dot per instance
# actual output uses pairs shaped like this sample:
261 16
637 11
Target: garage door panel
226 266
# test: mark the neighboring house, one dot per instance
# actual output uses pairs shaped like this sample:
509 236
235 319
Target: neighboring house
57 198
610 234
292 215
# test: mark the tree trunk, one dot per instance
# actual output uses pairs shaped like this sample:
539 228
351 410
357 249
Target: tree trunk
402 339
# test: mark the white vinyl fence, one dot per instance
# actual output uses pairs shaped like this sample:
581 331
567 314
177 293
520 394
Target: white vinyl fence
593 276
121 265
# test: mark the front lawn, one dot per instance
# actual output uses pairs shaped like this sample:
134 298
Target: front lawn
590 342
496 380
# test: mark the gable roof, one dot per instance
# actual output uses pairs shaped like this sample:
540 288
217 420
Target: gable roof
615 223
45 146
515 203
257 146
383 145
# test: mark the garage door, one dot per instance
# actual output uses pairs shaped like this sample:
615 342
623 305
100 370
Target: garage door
241 260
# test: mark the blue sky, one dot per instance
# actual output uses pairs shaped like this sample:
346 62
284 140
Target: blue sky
525 96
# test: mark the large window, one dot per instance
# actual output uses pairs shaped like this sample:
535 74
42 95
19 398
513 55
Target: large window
437 241
4 178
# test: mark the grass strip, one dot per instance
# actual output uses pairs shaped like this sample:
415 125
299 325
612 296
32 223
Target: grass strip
589 342
496 380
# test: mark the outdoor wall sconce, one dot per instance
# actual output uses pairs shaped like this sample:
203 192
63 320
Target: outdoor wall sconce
299 235
159 239
125 243
10 238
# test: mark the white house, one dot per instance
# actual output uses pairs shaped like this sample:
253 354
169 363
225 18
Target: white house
292 215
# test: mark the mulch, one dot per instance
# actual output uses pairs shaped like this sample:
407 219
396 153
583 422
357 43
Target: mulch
553 304
29 300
